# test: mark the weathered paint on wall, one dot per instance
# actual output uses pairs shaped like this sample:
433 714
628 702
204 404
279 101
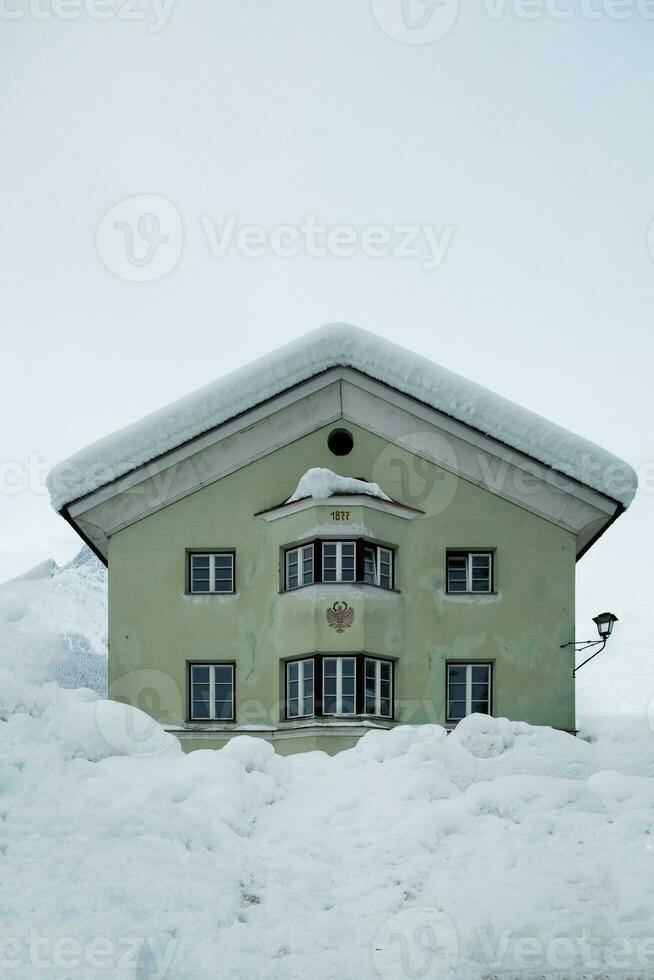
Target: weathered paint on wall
155 627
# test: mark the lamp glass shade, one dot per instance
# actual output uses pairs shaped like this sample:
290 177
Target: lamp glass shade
604 623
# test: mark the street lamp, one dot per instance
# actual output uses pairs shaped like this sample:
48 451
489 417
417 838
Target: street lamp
604 622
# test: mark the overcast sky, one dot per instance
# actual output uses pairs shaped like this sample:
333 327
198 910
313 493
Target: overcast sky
524 146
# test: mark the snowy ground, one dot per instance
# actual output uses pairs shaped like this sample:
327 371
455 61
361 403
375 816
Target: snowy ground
499 851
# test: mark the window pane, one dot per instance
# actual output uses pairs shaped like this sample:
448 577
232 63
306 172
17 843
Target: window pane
201 674
223 673
369 566
480 673
457 673
329 562
481 566
348 667
200 709
224 709
347 705
329 667
308 669
371 667
480 692
330 687
385 671
457 710
457 574
201 692
480 707
385 707
224 561
293 708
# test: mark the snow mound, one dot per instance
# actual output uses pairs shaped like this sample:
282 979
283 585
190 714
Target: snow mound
55 619
321 483
501 850
340 345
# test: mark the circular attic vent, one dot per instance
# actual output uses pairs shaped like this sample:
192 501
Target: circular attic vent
340 442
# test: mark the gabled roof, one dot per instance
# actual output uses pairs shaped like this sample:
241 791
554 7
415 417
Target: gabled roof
340 345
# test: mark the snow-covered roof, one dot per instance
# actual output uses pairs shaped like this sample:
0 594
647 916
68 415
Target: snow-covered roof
340 345
321 483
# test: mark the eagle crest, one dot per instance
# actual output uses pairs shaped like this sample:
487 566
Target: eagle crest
340 617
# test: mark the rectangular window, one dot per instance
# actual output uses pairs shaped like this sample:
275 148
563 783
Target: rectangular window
339 686
299 689
339 561
212 692
299 566
468 690
378 566
379 688
212 572
470 571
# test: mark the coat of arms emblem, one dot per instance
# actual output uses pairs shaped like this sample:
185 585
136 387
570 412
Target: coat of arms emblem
340 617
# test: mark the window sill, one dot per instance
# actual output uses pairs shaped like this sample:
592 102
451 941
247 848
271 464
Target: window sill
209 595
339 586
470 596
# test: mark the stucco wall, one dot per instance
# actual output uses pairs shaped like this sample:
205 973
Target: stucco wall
155 628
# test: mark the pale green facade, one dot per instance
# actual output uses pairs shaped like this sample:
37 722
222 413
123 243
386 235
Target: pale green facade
156 628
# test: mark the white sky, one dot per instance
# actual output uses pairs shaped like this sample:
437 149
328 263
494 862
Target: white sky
533 139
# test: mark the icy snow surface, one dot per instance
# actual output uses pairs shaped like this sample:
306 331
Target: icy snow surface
331 346
321 483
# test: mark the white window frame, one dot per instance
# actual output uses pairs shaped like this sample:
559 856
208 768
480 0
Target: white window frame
212 692
301 696
378 665
301 559
339 687
468 667
469 555
377 550
339 561
212 555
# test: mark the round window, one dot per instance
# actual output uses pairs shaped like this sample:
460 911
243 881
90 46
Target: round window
340 442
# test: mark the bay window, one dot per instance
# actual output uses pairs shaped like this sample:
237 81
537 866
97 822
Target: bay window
339 686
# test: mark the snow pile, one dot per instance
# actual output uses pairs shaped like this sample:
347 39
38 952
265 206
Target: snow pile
55 619
321 483
333 346
501 850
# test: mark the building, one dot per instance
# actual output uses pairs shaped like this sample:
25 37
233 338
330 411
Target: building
341 535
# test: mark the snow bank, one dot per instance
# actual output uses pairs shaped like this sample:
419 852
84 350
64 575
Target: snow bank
471 854
332 346
321 483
